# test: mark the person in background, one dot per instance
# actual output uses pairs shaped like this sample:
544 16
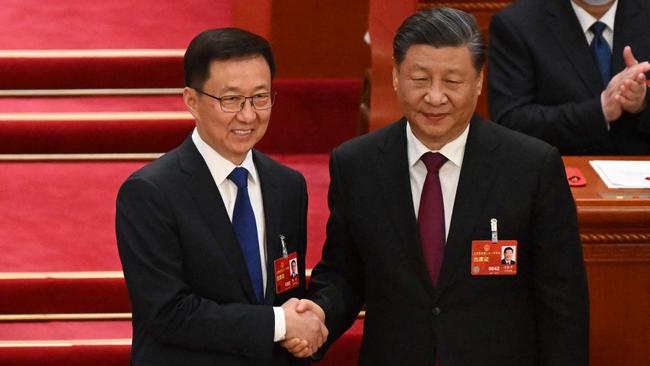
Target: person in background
572 73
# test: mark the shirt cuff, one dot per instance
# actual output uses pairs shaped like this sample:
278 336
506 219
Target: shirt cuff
280 324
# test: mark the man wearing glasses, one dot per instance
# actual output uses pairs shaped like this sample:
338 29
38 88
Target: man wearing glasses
199 230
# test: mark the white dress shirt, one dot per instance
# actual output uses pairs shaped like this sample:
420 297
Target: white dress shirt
449 173
220 168
587 20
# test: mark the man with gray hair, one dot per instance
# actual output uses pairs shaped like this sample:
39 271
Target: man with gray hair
420 209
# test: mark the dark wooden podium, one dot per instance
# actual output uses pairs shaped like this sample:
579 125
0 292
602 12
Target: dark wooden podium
615 232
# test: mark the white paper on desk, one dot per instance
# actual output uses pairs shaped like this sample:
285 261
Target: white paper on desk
623 173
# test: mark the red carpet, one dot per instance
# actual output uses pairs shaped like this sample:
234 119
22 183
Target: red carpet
70 136
310 116
94 103
19 72
61 330
73 24
66 355
65 343
59 216
100 343
64 295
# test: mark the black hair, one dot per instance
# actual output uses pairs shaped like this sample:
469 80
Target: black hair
222 44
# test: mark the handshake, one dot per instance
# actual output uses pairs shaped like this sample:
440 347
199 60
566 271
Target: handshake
306 331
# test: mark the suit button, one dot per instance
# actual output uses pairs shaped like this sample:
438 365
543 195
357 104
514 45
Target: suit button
436 311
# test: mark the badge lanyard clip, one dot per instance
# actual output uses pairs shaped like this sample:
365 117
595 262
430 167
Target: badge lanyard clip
284 247
495 234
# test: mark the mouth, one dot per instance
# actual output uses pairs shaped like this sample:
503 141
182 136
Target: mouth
434 116
243 132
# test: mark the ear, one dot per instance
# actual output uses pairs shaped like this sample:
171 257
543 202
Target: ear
190 98
479 85
395 77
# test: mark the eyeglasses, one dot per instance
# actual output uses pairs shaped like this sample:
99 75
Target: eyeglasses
235 103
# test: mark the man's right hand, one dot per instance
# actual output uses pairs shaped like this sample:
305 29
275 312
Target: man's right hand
306 331
626 91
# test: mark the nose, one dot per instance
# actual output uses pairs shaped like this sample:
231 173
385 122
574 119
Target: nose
247 113
436 95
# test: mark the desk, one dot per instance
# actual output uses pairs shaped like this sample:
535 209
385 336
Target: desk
615 232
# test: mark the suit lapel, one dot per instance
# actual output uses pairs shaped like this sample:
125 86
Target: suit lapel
394 178
206 196
477 176
271 196
565 28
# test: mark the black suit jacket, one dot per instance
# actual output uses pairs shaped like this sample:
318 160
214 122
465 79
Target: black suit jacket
193 303
372 256
544 81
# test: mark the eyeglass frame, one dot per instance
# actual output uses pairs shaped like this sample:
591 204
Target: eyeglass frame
272 95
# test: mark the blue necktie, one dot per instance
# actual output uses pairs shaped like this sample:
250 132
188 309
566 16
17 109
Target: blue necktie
601 51
243 221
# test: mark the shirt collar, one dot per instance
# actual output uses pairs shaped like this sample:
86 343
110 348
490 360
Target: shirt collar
219 166
587 20
454 150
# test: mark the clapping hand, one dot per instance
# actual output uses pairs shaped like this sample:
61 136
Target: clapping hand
626 92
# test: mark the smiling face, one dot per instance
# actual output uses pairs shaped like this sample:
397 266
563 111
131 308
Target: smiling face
232 135
438 89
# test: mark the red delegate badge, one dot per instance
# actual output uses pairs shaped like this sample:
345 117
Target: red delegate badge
286 273
490 258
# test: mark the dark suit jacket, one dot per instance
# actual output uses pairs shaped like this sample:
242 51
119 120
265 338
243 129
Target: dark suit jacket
503 261
544 81
372 255
190 291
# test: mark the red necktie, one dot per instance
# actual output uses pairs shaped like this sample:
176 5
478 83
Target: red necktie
431 216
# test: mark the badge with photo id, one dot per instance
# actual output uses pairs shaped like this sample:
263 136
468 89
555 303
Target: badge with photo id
287 274
494 259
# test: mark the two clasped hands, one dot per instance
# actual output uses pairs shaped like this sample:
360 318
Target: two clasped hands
626 91
306 331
